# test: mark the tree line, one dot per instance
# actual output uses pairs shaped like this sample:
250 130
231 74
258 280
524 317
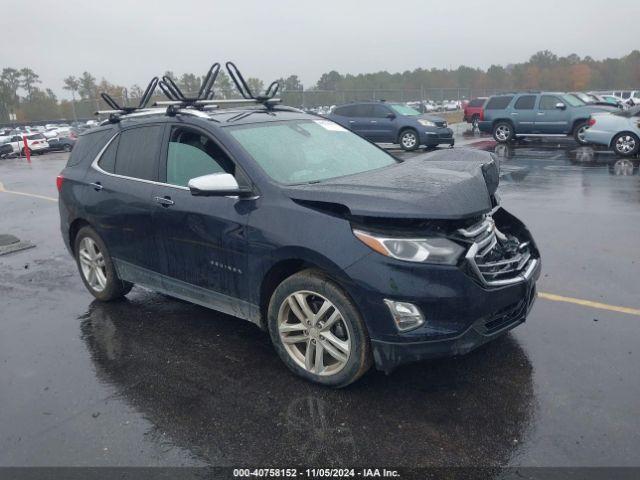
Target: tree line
22 96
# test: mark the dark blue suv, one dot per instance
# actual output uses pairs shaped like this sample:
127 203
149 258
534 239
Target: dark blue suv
348 256
397 123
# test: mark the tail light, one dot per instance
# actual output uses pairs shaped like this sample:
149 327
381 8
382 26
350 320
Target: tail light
591 122
481 114
59 180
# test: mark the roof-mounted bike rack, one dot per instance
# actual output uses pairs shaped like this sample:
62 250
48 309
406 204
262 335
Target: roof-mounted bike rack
117 110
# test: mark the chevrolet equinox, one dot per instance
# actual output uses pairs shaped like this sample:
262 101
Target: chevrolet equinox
348 256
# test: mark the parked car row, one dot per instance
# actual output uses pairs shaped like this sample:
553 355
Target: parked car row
537 114
37 143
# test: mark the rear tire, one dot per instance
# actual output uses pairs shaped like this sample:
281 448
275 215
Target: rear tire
503 132
96 268
409 140
475 122
626 144
578 133
330 348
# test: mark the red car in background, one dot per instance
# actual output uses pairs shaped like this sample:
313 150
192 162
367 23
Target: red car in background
474 111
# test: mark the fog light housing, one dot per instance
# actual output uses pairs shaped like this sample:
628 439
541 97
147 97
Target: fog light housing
406 315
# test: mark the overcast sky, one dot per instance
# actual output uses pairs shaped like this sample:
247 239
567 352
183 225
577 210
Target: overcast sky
129 41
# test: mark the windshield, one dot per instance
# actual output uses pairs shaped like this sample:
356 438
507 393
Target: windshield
35 136
401 109
302 151
573 101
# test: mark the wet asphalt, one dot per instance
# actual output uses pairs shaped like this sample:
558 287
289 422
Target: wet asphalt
158 382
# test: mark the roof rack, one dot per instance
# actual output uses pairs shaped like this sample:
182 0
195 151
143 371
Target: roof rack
205 99
117 110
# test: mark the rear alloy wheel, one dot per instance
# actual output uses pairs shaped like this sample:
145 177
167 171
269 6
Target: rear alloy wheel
503 132
96 268
475 122
409 140
579 131
626 144
317 330
66 148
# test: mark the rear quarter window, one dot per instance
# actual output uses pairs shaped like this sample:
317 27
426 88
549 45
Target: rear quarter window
498 103
88 146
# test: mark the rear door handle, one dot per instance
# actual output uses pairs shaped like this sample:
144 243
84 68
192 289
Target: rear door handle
374 121
164 201
514 113
97 186
352 121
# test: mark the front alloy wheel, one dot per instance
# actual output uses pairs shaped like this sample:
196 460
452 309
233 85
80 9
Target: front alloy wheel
626 144
314 333
580 133
409 140
318 331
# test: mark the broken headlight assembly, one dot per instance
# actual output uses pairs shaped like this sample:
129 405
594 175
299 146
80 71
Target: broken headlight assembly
437 250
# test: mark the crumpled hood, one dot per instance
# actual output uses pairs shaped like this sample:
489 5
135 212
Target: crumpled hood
446 184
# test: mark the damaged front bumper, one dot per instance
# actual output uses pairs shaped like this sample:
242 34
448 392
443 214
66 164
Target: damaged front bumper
489 292
389 355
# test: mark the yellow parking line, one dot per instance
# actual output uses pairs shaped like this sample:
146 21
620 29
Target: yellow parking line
589 303
34 195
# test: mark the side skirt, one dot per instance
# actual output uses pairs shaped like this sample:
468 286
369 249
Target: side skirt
186 291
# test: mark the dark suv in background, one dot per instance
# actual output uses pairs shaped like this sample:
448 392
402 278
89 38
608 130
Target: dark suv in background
545 114
397 123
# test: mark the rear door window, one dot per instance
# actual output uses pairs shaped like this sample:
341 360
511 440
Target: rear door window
525 102
343 111
498 103
138 152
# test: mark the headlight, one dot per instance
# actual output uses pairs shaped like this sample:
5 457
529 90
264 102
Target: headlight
426 123
431 250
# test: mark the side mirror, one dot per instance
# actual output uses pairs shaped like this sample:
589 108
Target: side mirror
560 106
391 116
217 185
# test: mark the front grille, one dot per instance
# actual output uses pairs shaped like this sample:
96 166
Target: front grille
497 259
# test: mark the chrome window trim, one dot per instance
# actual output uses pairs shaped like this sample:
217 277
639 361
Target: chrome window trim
96 167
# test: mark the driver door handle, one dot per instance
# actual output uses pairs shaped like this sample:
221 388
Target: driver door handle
97 186
164 201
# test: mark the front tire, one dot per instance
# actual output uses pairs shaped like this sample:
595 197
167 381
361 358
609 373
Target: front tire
626 144
408 140
317 330
96 268
503 132
578 133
